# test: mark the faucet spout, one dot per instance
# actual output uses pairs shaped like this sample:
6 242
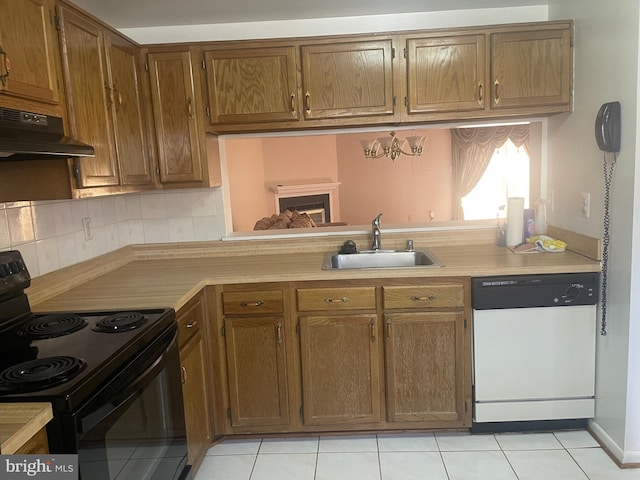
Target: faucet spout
375 231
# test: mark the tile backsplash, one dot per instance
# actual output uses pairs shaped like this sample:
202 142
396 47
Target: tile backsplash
56 234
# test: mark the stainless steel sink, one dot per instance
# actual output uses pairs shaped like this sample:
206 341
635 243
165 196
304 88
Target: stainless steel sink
420 257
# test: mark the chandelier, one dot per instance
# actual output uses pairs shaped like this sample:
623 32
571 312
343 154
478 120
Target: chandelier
393 146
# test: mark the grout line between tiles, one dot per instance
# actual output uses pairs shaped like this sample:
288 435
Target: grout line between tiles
255 459
440 452
315 469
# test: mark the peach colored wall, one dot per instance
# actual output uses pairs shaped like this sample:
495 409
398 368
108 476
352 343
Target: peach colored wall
245 168
300 160
255 165
405 190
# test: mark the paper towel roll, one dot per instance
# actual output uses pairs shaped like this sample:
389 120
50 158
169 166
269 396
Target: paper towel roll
515 213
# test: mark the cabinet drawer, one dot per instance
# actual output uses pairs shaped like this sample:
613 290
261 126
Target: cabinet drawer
261 301
339 298
190 319
423 296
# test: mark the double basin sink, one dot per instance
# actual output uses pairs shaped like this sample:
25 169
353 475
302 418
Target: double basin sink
420 257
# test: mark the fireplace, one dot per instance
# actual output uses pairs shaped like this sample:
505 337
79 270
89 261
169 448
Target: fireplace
316 206
316 200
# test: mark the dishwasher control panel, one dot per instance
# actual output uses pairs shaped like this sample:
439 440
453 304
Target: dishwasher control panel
526 291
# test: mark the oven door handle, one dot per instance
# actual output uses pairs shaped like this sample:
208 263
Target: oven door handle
86 421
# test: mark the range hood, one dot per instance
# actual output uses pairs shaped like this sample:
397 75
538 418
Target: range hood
32 136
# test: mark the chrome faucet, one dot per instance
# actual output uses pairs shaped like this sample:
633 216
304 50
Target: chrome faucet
375 224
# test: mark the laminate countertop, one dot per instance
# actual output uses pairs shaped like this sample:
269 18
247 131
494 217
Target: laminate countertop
21 421
171 282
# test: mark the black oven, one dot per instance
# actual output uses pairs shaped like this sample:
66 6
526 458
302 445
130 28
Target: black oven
133 427
113 379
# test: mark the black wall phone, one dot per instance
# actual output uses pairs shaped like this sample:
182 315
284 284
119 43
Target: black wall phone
608 127
608 138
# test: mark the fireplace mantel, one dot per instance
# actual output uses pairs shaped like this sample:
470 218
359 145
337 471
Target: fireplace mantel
284 191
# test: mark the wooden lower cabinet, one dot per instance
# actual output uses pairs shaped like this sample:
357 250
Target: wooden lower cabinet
340 369
257 371
320 356
255 343
424 371
427 353
194 367
195 399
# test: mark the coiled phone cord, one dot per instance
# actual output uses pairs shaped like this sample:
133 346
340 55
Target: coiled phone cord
608 177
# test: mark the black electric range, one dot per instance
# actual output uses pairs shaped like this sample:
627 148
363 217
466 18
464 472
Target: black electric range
112 378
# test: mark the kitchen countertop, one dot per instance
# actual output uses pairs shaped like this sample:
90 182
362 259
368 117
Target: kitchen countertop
171 282
21 421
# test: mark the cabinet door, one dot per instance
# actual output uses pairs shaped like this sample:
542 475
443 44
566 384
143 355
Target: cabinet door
531 68
27 58
257 371
424 371
340 369
196 398
252 85
347 79
446 74
174 111
127 108
89 98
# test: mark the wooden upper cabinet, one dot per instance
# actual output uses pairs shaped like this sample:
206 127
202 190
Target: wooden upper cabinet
347 79
127 103
178 134
446 74
105 102
28 57
531 68
252 85
89 97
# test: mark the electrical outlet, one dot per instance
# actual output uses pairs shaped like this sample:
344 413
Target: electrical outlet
585 204
88 229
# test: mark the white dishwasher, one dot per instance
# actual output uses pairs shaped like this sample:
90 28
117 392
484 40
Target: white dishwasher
534 340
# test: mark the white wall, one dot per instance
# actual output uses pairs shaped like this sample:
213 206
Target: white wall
606 69
335 26
50 234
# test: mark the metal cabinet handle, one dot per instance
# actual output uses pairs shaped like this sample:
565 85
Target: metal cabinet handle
244 304
109 93
307 102
279 333
118 96
192 324
422 299
7 67
190 107
496 95
373 330
480 93
336 300
388 329
183 374
293 104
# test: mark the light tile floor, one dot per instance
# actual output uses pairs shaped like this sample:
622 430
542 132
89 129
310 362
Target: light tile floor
568 455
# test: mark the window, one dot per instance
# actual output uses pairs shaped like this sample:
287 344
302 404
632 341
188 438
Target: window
507 175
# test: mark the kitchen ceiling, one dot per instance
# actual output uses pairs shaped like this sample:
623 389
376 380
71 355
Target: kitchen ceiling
150 13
